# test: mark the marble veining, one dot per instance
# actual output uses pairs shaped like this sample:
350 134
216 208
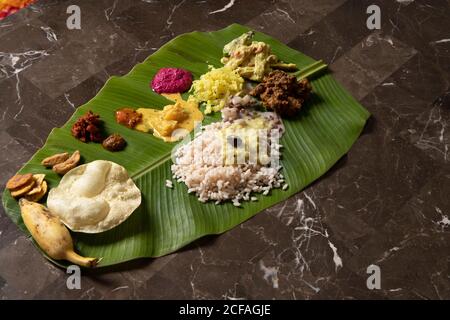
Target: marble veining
12 63
225 8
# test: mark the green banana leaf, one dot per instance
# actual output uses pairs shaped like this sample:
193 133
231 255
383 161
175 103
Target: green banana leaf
169 219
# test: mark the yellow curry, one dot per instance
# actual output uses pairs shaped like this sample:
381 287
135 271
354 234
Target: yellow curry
173 122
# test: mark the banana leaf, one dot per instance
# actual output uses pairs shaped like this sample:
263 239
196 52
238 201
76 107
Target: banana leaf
169 219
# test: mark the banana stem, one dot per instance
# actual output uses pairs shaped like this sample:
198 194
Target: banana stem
72 256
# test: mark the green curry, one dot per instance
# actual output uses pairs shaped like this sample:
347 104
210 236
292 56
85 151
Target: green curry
252 59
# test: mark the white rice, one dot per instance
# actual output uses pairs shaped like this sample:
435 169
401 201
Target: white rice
200 165
169 184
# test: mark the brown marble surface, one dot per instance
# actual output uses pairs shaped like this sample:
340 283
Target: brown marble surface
386 203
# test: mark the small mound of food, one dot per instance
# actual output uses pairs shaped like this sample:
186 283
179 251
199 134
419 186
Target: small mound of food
282 93
114 142
215 87
128 117
88 128
252 59
232 159
172 123
171 80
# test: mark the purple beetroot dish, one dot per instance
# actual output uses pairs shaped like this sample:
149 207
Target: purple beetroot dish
171 80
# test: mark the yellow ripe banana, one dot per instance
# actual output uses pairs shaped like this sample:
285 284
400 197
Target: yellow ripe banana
52 236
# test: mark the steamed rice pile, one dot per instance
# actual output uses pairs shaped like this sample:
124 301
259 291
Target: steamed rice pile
200 165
